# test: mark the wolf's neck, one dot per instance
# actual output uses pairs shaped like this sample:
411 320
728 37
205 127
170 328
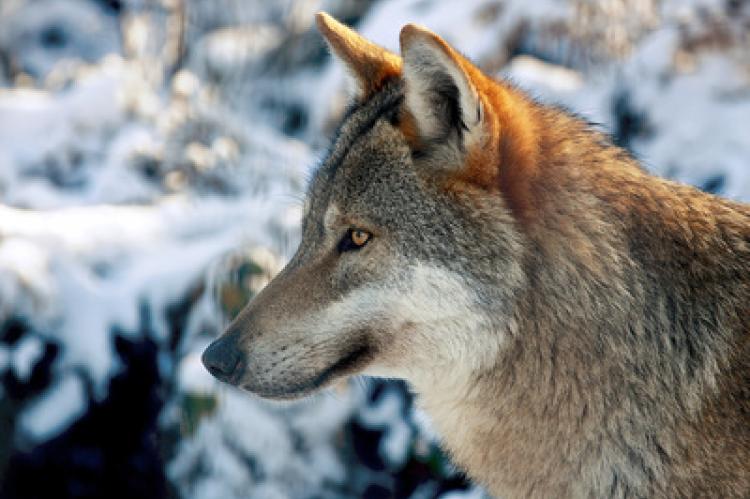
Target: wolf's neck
501 435
536 427
609 350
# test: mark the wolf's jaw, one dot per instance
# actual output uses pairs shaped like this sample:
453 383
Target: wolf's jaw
349 364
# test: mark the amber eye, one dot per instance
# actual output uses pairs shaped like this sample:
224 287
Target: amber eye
360 237
354 239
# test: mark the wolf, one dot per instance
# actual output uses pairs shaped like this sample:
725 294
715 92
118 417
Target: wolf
573 326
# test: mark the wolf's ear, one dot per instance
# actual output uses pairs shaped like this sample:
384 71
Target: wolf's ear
369 64
440 94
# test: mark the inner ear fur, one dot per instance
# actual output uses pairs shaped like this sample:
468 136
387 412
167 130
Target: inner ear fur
478 130
441 97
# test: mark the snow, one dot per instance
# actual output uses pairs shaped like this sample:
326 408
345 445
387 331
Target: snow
472 493
122 183
25 354
63 403
387 414
94 265
193 376
85 237
23 267
535 73
716 102
246 429
45 32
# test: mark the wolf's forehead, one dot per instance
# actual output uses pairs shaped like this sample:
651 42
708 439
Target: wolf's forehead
358 121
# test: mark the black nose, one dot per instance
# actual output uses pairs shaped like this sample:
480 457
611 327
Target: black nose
222 359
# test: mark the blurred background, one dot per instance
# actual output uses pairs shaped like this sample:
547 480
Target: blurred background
153 158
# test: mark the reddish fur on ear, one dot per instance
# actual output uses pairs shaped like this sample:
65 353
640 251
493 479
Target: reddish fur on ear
507 160
370 64
517 142
506 157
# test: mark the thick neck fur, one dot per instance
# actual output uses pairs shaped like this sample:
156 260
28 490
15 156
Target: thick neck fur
627 338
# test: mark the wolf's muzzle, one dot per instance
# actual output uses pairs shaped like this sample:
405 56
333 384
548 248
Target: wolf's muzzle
223 359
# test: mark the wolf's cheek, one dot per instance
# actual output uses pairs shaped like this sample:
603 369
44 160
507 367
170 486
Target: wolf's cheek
433 321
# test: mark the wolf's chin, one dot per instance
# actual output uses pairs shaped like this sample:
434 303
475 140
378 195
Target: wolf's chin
350 364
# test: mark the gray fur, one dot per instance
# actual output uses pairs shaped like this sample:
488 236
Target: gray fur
600 351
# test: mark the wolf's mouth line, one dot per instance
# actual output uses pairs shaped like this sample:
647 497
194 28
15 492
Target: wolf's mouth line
346 363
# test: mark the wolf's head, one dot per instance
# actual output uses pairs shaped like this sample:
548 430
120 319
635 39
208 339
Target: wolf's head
410 255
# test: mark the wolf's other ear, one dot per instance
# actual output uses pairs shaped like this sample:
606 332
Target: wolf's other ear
440 94
369 64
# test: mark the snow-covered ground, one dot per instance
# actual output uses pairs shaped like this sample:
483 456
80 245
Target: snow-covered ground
153 157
